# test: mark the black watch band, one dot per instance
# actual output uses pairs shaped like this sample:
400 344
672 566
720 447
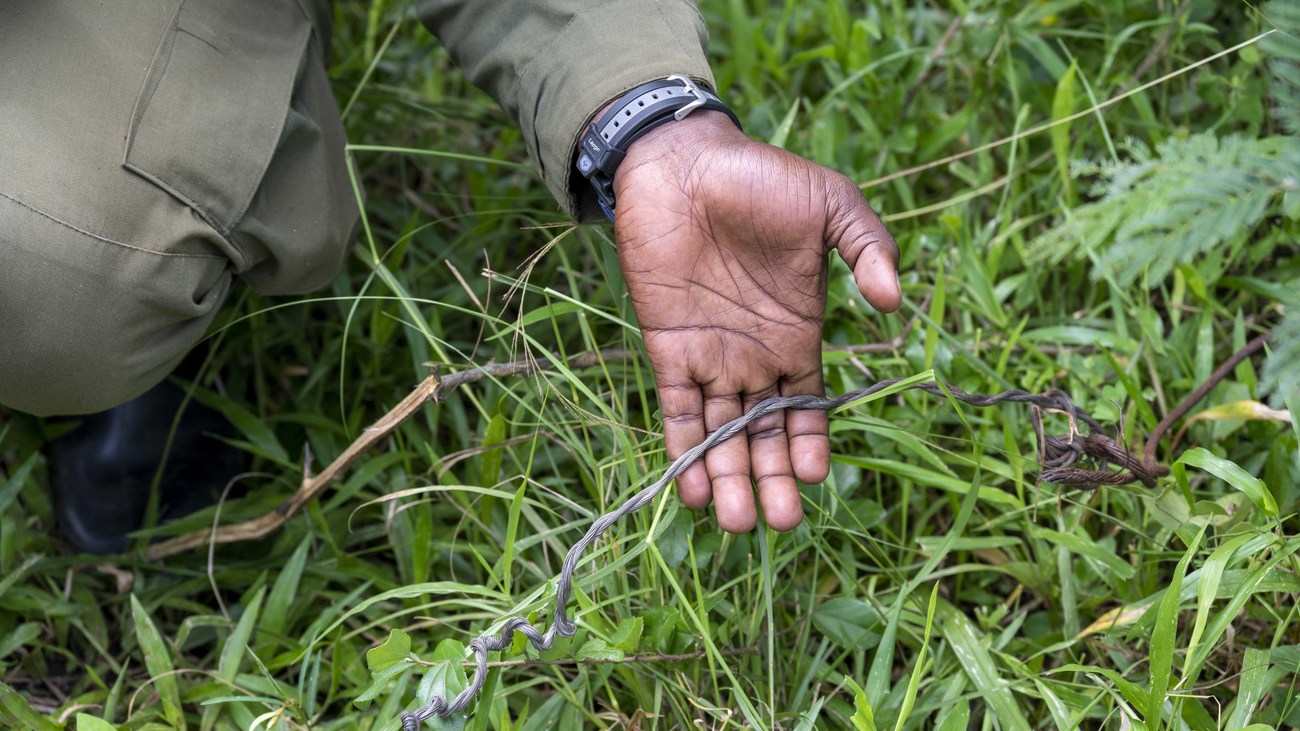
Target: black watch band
647 106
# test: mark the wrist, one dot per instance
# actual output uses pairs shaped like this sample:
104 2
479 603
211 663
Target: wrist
670 101
678 144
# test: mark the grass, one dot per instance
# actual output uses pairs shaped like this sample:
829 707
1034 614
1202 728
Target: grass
934 583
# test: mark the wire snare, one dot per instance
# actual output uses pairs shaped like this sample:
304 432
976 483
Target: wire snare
1058 458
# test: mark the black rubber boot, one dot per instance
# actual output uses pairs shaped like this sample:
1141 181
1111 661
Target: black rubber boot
101 472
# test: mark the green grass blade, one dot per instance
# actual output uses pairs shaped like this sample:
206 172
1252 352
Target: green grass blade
1163 637
909 698
1251 690
968 644
158 661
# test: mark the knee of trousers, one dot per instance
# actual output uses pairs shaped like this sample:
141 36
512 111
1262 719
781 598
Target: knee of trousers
87 324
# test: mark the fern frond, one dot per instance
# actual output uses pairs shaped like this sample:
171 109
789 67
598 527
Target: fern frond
1168 206
1281 375
1283 51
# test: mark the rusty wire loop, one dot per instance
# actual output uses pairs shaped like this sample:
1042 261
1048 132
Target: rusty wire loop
1059 456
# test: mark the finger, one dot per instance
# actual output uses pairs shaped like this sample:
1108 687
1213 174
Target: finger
769 456
728 465
808 430
865 245
683 410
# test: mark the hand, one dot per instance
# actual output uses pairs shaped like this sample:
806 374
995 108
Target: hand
723 243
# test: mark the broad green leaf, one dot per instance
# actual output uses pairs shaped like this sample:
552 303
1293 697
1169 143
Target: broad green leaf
90 723
627 637
158 661
232 653
598 649
449 649
674 540
512 533
446 679
1231 473
1061 714
937 302
1135 694
1077 335
392 651
849 623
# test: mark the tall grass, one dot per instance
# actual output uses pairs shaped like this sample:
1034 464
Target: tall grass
934 583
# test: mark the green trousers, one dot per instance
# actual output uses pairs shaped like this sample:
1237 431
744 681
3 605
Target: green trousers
149 155
153 150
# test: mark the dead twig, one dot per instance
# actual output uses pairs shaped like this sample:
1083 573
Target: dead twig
1226 367
432 388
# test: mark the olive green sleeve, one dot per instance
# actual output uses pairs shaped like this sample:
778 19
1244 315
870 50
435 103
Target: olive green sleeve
552 64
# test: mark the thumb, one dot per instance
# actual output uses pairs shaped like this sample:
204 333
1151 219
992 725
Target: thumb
864 243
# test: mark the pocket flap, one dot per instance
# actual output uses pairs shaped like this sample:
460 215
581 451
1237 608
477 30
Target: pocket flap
215 101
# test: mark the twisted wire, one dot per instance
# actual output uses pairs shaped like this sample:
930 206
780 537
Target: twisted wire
1057 456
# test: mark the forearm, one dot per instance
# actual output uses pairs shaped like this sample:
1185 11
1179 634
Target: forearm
552 63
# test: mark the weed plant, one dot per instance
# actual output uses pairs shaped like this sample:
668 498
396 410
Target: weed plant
1119 255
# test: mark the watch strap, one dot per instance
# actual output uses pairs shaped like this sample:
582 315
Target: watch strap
604 144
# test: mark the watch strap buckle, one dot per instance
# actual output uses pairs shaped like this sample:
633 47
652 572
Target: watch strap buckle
691 88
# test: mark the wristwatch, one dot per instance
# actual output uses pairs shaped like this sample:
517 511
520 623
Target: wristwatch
605 142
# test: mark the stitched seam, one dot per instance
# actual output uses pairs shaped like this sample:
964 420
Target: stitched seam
146 92
167 187
97 237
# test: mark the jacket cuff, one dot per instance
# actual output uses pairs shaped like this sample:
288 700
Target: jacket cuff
602 53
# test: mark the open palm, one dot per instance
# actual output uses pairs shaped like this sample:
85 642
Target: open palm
723 244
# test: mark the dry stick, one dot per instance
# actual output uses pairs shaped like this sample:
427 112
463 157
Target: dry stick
431 389
1153 441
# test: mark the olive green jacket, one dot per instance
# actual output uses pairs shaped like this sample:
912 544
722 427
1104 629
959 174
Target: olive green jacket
552 64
